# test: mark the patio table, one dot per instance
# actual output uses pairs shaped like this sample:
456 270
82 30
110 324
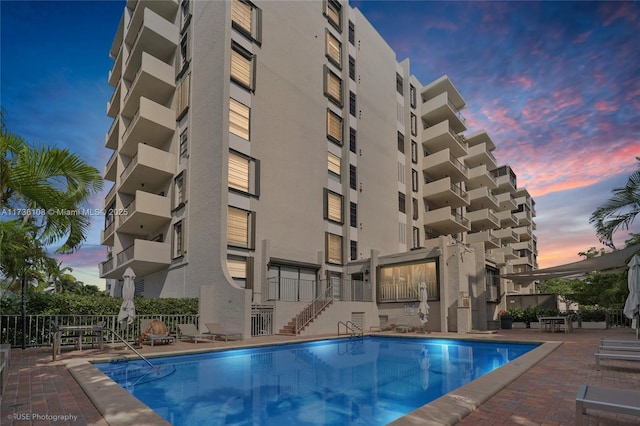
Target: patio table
554 322
77 332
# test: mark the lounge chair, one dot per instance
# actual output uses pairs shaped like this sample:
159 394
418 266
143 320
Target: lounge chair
621 355
403 325
190 331
620 401
217 330
153 338
629 342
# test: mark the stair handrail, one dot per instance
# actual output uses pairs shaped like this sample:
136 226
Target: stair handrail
312 310
131 347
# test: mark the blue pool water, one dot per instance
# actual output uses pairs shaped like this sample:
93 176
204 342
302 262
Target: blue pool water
367 381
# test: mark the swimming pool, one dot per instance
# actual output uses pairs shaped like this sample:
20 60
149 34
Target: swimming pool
367 381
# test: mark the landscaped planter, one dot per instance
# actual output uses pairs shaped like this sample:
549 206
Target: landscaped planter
594 325
519 325
506 323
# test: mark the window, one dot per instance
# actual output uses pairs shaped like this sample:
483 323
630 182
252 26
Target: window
414 125
399 83
183 97
352 139
412 96
110 215
354 250
332 206
333 163
414 205
401 142
352 104
334 127
179 193
334 49
242 67
414 180
401 203
243 173
178 240
186 13
185 53
246 19
353 177
353 214
414 152
333 87
416 237
241 270
184 144
352 33
352 68
334 248
333 12
239 119
240 228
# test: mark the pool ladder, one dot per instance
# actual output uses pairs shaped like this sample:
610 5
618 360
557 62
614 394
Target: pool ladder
351 329
131 347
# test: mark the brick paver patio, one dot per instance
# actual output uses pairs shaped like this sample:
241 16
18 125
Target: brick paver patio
545 395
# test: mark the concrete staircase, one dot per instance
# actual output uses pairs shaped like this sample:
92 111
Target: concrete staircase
311 312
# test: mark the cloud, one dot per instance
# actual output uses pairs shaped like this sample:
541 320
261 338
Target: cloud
605 106
582 37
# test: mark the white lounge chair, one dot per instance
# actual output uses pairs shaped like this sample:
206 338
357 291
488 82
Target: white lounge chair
190 331
217 330
620 355
620 401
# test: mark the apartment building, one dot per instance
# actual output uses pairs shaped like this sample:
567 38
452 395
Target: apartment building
276 155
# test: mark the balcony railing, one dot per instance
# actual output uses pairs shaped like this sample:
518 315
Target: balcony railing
458 164
406 292
129 167
130 209
107 266
460 219
462 194
126 254
296 290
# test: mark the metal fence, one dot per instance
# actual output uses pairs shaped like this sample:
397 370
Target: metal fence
261 320
40 328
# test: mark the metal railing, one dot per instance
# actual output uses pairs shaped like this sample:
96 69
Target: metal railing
261 320
313 309
129 167
297 290
406 292
350 328
40 329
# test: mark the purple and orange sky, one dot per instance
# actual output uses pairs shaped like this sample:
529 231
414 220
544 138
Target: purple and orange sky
555 84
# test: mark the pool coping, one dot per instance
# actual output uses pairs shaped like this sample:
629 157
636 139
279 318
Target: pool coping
119 407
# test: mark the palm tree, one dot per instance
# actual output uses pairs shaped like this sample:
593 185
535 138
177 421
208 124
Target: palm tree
52 183
619 211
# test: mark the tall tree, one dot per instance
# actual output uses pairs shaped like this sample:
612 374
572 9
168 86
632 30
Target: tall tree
619 211
46 186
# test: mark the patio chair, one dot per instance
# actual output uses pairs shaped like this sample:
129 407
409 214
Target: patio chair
190 331
403 325
620 355
620 401
217 330
153 338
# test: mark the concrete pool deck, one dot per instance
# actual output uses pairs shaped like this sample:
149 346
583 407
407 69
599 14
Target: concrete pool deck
42 392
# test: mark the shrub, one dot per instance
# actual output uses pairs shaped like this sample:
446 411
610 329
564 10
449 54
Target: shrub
592 313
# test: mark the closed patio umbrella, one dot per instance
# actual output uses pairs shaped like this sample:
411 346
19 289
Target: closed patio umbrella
632 305
127 309
423 308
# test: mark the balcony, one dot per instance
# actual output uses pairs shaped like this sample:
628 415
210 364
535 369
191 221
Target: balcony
445 221
524 259
478 155
524 245
108 199
479 137
111 139
113 106
487 237
153 125
482 220
145 214
506 235
149 169
506 179
155 80
166 9
144 257
507 202
507 219
107 235
482 198
154 35
443 192
524 218
506 252
116 70
442 164
439 109
524 233
439 137
111 167
481 176
443 85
